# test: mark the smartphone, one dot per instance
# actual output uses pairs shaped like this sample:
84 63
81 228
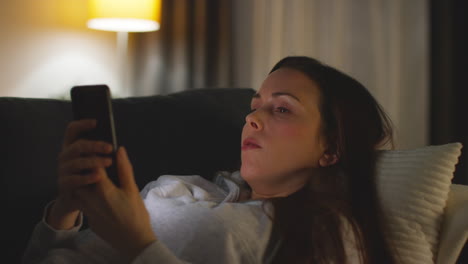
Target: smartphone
94 102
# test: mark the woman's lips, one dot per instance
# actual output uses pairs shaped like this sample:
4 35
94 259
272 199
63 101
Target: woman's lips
249 143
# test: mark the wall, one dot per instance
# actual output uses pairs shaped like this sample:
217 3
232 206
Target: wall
381 43
46 48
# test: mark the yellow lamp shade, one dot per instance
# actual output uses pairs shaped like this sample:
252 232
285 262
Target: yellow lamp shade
125 15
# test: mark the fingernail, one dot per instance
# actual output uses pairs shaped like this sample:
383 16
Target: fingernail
124 151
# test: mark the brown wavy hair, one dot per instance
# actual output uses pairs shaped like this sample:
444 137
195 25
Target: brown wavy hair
340 200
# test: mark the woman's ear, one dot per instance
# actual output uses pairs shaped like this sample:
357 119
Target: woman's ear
328 160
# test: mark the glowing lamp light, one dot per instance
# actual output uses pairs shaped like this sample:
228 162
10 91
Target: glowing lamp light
125 15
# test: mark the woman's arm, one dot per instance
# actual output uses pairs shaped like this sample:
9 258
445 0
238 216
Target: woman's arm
157 252
45 238
118 214
77 155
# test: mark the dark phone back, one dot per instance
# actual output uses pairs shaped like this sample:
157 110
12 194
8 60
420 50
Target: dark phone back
94 102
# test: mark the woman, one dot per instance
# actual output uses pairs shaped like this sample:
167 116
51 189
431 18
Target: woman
305 192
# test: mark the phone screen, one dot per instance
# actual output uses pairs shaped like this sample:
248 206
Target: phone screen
94 102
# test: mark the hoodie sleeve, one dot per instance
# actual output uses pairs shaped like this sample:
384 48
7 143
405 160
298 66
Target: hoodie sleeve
44 238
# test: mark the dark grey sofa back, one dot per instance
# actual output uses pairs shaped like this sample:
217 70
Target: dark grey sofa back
191 132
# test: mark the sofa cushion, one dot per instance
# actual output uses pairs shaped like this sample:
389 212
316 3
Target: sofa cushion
414 186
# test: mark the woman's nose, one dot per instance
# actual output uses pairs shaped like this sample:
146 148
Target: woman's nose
254 121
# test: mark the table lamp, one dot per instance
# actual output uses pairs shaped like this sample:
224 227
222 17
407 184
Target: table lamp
123 16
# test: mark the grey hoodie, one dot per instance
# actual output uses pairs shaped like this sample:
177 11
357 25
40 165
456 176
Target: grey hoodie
195 221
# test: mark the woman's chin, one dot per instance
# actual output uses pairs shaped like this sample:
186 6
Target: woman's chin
249 174
246 173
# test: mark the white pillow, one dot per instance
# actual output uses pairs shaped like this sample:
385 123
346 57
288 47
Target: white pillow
454 232
413 186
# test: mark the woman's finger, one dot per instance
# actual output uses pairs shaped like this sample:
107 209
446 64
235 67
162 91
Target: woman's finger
75 181
84 147
75 128
75 166
87 198
125 171
93 196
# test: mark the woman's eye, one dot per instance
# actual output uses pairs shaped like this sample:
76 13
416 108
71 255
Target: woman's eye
253 110
282 110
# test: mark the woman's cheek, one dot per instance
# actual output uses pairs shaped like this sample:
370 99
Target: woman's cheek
291 131
297 136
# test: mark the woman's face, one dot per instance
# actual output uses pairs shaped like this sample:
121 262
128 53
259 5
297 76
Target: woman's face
281 140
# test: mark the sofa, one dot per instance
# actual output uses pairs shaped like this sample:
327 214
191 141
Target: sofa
191 132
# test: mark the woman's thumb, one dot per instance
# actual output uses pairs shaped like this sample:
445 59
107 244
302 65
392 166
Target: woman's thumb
125 170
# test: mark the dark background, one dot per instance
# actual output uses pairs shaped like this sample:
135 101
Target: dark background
449 70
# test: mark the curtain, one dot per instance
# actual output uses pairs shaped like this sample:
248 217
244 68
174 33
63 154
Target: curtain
381 43
191 50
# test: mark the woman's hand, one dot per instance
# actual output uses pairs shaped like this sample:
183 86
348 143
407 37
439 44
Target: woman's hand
118 214
77 155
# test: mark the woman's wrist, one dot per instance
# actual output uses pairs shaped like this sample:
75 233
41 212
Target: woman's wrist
60 217
139 246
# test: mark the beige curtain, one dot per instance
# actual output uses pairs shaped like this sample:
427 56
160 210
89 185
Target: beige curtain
191 50
382 43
